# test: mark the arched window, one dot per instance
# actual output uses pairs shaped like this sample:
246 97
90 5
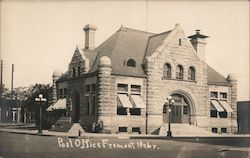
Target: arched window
167 71
131 63
179 72
191 73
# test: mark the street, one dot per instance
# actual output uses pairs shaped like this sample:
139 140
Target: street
24 145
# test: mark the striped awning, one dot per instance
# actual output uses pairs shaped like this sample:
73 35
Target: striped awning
226 106
217 106
137 101
124 101
60 104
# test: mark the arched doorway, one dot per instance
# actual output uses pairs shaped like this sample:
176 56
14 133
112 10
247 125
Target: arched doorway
180 112
76 107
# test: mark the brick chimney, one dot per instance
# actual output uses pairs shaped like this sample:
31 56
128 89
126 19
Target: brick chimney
90 36
199 43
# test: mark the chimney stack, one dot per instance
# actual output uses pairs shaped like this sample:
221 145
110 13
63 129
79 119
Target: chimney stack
199 43
90 36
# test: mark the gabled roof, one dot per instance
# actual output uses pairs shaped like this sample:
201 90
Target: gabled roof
214 77
155 41
91 55
126 43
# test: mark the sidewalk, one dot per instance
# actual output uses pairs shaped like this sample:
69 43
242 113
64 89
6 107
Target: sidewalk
121 136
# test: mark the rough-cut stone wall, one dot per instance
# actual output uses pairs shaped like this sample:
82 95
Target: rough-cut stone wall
233 93
230 121
104 93
158 88
128 121
79 86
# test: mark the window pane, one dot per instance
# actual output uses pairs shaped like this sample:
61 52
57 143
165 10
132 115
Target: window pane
214 130
223 95
136 130
191 73
122 87
122 129
135 111
93 87
135 88
87 88
179 72
87 104
214 94
167 71
223 130
121 111
185 109
223 114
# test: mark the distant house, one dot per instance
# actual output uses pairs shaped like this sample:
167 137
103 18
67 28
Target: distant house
243 113
123 83
5 111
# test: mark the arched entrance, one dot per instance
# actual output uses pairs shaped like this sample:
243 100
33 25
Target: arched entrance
76 107
181 111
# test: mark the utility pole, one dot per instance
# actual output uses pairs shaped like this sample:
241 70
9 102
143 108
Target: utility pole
1 85
11 93
1 80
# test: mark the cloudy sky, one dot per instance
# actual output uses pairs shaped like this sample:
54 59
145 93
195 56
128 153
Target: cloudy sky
40 36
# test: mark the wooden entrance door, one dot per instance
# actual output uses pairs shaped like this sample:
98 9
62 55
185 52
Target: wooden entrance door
176 114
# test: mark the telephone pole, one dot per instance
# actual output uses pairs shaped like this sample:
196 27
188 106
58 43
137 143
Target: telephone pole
1 84
11 93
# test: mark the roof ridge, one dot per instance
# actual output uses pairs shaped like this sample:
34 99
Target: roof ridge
160 33
122 28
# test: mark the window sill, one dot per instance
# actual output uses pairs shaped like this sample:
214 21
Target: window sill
164 78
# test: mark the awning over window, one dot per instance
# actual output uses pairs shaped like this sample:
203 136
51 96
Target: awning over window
226 106
217 106
124 101
137 101
60 104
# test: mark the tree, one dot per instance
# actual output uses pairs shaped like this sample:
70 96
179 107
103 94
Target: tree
32 107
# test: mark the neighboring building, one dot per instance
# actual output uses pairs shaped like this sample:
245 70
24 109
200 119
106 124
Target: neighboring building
122 84
243 113
5 111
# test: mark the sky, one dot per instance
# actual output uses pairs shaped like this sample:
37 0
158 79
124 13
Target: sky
39 37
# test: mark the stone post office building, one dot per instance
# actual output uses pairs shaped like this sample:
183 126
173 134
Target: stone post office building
124 81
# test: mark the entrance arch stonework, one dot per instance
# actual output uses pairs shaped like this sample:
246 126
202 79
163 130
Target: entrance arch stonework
183 111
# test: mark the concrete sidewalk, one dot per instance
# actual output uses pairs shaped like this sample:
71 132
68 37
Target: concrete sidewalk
121 136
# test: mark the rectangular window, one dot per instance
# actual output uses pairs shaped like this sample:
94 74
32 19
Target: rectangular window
136 130
223 95
223 130
93 105
179 42
78 71
213 111
214 94
121 111
65 92
87 105
123 129
135 111
87 88
60 93
93 87
122 87
214 130
223 114
135 88
185 109
74 72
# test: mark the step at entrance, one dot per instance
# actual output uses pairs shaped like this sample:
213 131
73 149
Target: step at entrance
184 130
